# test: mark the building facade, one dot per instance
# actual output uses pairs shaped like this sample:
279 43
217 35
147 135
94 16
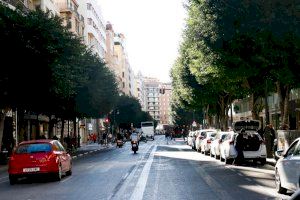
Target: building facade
140 90
122 64
74 21
152 95
95 30
164 103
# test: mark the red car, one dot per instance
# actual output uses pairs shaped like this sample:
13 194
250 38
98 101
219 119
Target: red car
39 157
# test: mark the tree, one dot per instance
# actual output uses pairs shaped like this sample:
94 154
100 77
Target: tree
130 112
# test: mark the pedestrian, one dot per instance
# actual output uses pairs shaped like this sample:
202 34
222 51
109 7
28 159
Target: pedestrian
239 146
104 135
269 136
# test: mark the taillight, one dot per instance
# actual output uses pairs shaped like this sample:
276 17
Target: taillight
231 142
208 141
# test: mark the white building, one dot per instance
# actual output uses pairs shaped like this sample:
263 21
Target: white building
94 32
140 90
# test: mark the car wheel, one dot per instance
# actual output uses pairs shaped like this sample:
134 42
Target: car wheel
12 179
263 161
221 159
69 173
228 161
279 189
58 175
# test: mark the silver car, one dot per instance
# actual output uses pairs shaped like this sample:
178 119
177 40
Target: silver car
287 168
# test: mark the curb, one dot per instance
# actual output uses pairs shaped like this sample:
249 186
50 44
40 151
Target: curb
272 163
88 152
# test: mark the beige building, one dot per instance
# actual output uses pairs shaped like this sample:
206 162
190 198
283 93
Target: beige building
122 64
111 57
164 103
68 10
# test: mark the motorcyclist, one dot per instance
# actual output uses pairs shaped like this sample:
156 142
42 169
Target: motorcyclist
134 137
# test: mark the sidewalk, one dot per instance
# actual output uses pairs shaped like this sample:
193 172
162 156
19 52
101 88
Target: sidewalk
85 149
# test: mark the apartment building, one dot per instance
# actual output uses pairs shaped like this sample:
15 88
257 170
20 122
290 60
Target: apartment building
122 63
152 95
68 10
164 103
139 90
95 30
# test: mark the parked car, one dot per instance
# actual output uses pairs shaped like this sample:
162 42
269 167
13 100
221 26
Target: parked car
215 144
201 136
254 145
39 157
205 144
287 173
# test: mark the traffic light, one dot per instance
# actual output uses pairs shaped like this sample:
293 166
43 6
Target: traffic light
106 120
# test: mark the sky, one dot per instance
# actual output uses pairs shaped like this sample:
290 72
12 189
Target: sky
153 31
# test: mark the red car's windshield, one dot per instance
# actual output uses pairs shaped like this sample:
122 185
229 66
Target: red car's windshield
33 148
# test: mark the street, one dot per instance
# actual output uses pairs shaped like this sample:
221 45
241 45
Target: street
160 170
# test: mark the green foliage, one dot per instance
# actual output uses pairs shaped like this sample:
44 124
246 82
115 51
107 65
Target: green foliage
49 70
129 111
235 48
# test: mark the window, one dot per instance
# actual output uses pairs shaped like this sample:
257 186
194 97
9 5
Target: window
297 151
292 149
34 148
89 6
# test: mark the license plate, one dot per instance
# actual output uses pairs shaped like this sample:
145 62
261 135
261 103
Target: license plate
34 169
134 145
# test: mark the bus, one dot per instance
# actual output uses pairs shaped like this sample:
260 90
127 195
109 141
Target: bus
148 129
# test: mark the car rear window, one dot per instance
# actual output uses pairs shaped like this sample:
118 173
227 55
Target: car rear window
34 148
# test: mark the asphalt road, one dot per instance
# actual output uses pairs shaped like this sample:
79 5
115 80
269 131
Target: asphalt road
160 170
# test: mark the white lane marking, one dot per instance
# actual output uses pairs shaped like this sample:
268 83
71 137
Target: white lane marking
4 181
138 192
240 174
4 177
66 179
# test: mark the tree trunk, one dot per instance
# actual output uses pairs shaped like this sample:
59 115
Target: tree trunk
2 119
285 119
255 110
283 94
50 127
62 130
75 131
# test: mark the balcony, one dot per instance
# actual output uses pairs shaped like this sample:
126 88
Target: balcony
20 4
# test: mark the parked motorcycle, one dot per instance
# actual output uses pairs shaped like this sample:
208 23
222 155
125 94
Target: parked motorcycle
120 143
143 138
134 146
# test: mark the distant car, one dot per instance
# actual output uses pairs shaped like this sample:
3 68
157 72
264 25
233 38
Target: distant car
201 136
215 144
254 145
39 157
287 168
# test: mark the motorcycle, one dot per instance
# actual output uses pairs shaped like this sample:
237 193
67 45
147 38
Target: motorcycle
120 143
134 146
